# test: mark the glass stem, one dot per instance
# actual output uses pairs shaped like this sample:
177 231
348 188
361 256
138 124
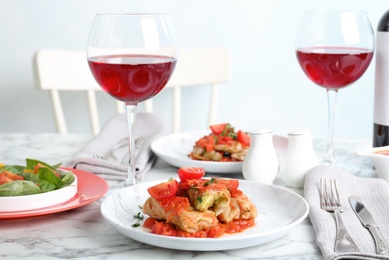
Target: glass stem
331 98
132 177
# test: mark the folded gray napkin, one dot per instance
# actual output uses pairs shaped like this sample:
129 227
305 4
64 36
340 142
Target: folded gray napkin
375 195
107 155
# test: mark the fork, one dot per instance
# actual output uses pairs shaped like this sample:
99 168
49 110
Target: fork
330 202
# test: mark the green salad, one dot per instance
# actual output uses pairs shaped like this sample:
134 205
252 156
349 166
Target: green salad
36 177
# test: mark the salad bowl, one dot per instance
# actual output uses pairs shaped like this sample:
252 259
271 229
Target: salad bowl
40 200
380 158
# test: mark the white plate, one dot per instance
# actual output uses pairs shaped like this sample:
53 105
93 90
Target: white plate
279 210
38 201
175 148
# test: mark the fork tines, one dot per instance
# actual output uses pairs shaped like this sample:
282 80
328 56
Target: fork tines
330 202
329 194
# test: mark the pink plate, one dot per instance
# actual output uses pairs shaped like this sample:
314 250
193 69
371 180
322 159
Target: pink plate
90 188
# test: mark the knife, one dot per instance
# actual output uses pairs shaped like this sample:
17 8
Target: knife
367 220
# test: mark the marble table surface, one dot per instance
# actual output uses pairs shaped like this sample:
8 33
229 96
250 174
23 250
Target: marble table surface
82 233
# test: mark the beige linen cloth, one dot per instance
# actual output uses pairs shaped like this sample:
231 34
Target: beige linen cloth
107 155
373 192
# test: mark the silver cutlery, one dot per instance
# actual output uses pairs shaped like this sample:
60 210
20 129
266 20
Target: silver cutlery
329 201
367 220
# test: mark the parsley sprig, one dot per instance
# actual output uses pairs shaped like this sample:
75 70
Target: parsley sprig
212 180
139 217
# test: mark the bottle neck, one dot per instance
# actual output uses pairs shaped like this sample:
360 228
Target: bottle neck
383 24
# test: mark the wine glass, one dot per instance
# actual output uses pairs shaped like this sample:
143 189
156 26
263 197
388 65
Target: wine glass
334 49
132 57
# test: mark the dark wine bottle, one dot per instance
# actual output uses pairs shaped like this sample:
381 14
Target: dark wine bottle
381 90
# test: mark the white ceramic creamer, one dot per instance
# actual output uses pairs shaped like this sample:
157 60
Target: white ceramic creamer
261 161
299 158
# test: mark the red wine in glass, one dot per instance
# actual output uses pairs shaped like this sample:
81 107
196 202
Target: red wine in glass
132 57
334 49
334 67
132 78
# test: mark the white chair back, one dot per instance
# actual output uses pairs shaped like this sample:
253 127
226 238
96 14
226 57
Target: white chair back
62 70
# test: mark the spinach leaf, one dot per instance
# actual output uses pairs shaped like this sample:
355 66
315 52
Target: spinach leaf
17 169
68 179
46 186
18 188
48 175
31 177
31 163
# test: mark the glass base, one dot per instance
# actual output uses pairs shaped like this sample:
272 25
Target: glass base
351 168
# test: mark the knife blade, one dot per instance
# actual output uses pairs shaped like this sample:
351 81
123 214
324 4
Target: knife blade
367 220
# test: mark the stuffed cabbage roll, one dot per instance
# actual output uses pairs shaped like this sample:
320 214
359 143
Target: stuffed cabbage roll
239 208
200 153
189 219
213 196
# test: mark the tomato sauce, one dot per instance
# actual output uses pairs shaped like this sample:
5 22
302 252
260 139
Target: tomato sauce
209 184
174 205
162 228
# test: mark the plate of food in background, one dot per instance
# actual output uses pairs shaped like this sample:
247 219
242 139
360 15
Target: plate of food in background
220 150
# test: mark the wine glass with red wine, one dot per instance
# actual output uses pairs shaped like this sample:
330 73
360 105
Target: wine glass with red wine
132 57
334 49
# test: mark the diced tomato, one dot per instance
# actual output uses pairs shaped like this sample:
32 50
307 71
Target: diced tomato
227 140
243 138
190 173
4 179
210 146
149 222
217 129
216 231
164 190
232 185
165 229
8 177
183 186
206 142
236 193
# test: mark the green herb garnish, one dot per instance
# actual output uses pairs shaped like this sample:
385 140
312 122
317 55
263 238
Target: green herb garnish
139 216
212 180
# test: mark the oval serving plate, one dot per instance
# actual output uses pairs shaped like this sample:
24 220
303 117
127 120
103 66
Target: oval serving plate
175 148
278 211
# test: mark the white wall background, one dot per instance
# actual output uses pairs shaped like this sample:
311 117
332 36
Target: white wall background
268 88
